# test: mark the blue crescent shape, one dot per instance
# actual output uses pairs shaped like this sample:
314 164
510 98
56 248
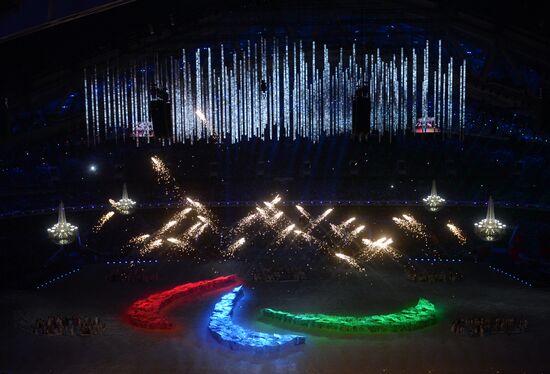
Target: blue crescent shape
236 337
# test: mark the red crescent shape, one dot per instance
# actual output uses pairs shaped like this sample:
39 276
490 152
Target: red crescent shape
146 313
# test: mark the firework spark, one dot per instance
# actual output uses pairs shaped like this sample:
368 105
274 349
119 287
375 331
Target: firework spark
195 203
262 212
248 219
457 232
174 220
303 212
193 228
326 213
153 244
269 216
304 235
340 230
378 247
204 212
140 239
163 175
271 204
182 214
347 222
167 227
102 220
409 218
156 243
182 244
410 225
244 223
174 240
380 243
318 220
350 260
199 207
288 229
357 230
284 233
233 247
201 230
337 229
271 221
193 232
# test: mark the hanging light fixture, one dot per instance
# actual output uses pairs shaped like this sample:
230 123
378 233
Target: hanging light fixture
434 202
490 229
124 205
62 232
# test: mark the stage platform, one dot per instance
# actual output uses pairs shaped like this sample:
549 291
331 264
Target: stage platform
190 348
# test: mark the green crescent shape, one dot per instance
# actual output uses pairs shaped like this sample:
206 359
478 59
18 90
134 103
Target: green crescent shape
423 314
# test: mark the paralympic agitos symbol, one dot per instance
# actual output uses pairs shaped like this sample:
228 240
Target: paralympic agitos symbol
147 313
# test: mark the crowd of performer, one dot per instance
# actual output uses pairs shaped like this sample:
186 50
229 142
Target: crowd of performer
488 326
432 276
276 274
72 326
133 274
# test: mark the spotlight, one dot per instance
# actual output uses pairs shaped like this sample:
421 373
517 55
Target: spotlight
92 168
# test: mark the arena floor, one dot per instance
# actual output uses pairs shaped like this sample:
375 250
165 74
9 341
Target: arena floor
190 348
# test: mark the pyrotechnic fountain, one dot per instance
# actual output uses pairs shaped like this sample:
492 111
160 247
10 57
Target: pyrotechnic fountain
164 177
350 260
303 212
378 247
434 202
314 223
411 226
457 232
62 232
140 239
357 230
490 229
102 221
233 247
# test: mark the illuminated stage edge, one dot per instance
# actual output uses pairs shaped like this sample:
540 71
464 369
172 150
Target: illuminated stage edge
238 338
423 314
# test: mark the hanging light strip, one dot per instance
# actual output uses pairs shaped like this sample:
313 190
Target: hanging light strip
274 90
